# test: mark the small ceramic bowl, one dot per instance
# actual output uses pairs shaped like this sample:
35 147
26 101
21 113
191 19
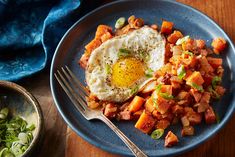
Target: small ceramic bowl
21 103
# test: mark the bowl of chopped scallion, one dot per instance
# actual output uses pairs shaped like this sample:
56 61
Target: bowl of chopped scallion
21 121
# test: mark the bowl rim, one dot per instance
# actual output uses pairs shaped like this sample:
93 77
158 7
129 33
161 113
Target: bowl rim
35 103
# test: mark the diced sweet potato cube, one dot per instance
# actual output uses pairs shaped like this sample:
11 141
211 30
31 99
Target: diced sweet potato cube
205 97
171 139
183 95
187 131
205 66
194 118
136 103
196 78
177 109
101 30
218 44
166 89
105 37
185 121
145 123
93 45
149 105
201 107
197 95
210 116
168 52
167 27
162 124
162 105
172 38
215 62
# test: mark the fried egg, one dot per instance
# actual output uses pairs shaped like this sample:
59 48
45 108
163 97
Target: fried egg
119 67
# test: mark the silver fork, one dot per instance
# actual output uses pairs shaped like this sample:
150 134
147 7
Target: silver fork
77 94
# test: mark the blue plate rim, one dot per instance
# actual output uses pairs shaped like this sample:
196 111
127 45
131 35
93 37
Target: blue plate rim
179 151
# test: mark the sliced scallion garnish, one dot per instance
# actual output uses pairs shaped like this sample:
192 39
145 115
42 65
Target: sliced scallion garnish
181 72
149 73
166 96
196 86
215 81
120 22
156 134
123 52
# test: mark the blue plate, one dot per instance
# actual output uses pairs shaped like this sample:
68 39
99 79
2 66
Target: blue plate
186 19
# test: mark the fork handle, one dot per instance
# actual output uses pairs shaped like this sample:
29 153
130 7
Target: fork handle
135 150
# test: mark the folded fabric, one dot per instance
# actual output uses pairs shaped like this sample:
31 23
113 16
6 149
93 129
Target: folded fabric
30 31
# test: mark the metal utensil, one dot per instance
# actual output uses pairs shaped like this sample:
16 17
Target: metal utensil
78 93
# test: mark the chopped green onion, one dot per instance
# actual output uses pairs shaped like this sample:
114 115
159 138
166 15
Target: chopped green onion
215 81
166 96
155 104
199 88
181 72
120 22
15 136
31 127
149 73
107 68
123 52
182 40
156 134
134 90
158 88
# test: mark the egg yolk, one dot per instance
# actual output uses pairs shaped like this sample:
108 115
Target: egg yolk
127 71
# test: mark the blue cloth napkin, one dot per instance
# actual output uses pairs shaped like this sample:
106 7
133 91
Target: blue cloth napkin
30 31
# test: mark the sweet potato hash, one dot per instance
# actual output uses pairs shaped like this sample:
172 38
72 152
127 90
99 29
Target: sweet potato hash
181 91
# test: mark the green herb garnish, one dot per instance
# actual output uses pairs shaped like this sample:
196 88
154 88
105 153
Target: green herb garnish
166 96
181 72
158 88
199 88
120 22
134 90
15 136
149 73
215 81
123 52
155 104
156 134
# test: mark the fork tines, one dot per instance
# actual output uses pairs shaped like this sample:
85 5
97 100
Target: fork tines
73 88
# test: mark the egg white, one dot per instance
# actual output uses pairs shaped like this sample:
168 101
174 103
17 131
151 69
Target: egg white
144 39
